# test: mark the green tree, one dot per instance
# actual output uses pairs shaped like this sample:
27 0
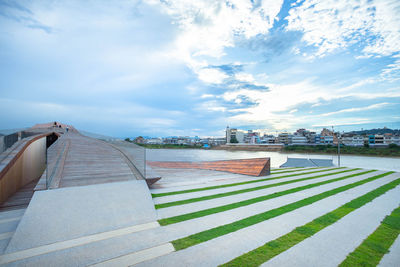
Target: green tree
393 146
234 140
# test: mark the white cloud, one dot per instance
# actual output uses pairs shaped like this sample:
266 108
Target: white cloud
214 76
350 110
392 71
207 27
333 24
244 77
271 106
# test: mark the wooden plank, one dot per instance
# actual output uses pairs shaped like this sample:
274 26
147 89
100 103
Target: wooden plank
90 161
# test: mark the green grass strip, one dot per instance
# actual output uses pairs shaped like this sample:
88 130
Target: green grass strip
372 249
201 213
246 190
246 222
234 184
271 249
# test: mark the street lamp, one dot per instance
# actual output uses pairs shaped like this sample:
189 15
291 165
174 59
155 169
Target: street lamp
338 147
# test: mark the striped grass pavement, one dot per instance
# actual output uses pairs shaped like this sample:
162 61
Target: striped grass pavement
189 216
275 247
154 195
204 236
236 192
374 245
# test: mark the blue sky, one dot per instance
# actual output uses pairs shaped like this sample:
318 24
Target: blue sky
160 68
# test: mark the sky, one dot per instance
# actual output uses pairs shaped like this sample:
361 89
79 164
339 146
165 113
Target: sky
162 68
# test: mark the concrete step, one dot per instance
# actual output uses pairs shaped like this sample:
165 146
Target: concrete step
9 221
67 245
139 256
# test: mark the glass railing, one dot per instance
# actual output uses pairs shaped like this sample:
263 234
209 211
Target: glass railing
8 140
135 154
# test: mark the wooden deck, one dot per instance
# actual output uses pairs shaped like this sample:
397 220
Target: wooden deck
253 167
88 161
20 199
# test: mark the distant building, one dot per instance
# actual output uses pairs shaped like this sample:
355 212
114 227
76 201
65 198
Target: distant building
299 140
139 140
284 138
267 139
326 140
233 133
349 139
154 141
252 137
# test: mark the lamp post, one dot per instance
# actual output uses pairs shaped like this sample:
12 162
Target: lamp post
338 147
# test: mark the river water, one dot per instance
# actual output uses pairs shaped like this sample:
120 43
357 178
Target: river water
277 158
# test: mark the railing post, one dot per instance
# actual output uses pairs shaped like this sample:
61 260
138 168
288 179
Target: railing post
47 171
144 163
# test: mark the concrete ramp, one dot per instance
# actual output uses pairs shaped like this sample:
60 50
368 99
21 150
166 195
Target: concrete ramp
69 213
322 162
302 162
297 162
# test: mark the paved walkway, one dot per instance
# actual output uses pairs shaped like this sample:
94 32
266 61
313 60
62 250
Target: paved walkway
20 199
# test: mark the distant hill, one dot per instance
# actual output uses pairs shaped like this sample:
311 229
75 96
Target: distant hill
377 131
10 131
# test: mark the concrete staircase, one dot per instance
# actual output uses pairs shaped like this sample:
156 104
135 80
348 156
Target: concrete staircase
83 226
9 221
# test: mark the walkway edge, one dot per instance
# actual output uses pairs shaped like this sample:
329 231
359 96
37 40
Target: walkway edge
139 256
23 254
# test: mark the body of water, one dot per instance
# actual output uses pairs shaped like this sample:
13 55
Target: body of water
277 158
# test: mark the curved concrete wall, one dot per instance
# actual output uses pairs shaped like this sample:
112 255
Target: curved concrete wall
29 164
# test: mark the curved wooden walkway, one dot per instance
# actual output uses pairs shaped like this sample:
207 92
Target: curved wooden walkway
81 160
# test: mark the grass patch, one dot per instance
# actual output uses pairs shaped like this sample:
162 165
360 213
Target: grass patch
246 190
246 222
271 249
234 184
201 213
372 249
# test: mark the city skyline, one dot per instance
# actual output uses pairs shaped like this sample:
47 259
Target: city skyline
164 68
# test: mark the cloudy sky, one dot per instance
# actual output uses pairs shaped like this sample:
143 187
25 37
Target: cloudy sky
184 67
